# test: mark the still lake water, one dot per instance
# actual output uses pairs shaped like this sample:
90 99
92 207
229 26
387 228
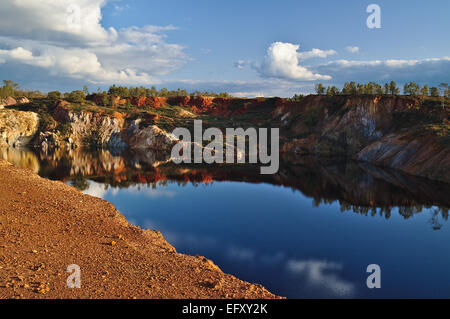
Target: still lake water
309 231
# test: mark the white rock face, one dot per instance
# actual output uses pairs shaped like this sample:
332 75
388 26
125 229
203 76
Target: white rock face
151 138
107 128
48 140
23 100
17 128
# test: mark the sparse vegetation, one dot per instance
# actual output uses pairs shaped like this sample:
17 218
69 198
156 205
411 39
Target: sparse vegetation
12 89
372 88
126 92
65 129
54 95
93 140
46 121
75 96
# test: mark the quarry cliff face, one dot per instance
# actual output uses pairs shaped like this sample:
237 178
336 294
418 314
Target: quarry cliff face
405 133
416 155
75 129
16 127
391 131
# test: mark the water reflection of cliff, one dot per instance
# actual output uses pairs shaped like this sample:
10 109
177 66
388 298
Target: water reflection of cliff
21 158
358 187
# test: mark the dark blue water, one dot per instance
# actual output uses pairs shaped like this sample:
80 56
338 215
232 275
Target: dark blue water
313 239
275 236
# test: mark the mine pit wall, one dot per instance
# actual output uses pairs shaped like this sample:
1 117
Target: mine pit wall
390 131
17 128
373 129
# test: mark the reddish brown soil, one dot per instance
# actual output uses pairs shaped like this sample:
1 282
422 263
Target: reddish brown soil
46 226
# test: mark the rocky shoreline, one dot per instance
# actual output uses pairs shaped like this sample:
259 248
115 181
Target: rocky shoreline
47 226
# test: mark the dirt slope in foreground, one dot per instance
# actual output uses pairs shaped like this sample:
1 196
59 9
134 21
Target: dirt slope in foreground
46 226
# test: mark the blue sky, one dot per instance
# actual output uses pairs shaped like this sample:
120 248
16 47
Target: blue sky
250 47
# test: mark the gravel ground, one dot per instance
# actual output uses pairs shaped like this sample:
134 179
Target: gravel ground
45 226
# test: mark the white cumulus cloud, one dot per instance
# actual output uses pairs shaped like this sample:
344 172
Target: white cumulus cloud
351 49
240 64
282 61
316 53
65 38
429 70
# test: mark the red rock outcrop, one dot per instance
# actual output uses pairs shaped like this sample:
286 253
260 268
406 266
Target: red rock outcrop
179 100
118 101
61 111
220 106
153 102
9 101
138 101
156 102
200 104
238 106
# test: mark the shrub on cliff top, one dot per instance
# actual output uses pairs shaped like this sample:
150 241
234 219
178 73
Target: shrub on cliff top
54 95
76 96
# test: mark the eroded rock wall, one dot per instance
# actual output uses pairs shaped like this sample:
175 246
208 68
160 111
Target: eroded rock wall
16 127
390 131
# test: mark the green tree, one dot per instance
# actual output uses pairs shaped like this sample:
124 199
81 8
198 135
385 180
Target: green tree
406 89
106 101
113 90
332 91
9 88
349 88
320 89
415 88
54 95
411 88
434 91
297 97
125 92
393 89
369 88
76 97
85 90
360 89
378 89
425 90
445 88
164 92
